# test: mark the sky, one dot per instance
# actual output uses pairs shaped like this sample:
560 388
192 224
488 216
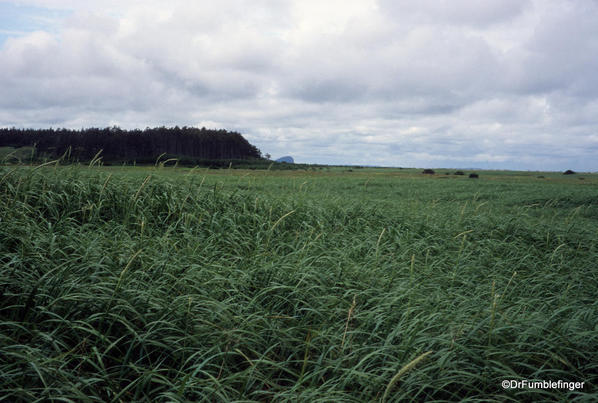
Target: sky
493 84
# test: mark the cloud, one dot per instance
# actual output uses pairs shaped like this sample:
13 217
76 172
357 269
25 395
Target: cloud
455 12
501 84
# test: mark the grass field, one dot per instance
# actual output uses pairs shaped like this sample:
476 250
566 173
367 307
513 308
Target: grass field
171 284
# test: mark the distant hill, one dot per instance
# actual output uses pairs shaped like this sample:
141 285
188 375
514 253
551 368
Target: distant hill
287 158
145 145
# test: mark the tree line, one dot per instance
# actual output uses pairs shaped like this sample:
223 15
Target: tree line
141 146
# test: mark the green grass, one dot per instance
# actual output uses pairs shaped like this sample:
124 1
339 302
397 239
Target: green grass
16 155
163 284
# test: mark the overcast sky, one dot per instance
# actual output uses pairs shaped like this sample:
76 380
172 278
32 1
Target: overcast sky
509 84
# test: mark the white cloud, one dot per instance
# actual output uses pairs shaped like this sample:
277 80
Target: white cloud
383 82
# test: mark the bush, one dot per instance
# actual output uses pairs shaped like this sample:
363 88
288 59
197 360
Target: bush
428 171
569 172
459 173
474 175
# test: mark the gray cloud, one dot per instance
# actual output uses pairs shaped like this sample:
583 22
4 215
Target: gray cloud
500 84
455 12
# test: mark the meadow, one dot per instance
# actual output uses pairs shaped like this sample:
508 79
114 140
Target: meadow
174 284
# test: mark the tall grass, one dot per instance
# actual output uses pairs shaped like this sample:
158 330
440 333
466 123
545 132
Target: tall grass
152 284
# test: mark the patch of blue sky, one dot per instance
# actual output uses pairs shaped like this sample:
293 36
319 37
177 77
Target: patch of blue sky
18 20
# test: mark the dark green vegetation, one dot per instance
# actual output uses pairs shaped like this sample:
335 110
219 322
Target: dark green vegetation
30 155
162 284
191 145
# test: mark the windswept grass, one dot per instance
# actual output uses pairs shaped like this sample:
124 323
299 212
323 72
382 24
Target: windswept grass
165 284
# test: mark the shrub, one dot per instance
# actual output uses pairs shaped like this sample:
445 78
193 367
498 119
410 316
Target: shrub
459 173
568 172
474 175
428 171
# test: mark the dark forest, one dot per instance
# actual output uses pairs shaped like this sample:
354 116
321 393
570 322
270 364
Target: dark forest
141 146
